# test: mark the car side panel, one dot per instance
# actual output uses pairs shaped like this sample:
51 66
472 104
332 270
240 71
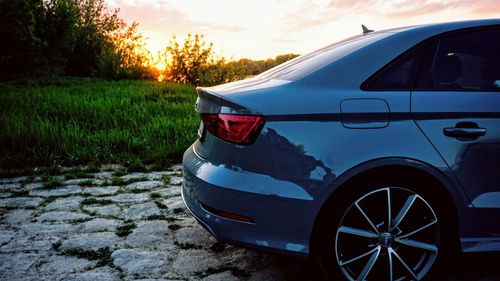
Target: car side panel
475 162
304 156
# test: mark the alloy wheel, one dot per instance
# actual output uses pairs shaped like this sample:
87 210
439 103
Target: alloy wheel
388 234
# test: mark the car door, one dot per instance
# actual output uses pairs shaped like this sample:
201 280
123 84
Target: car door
457 107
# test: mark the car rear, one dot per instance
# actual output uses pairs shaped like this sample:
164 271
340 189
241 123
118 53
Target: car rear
228 188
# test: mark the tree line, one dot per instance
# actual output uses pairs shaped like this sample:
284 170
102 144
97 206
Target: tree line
195 62
68 37
86 38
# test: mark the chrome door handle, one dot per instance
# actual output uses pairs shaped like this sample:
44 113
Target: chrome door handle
464 133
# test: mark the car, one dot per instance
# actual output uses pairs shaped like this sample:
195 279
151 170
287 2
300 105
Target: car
378 156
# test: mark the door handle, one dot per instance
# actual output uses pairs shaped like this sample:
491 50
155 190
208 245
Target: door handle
464 133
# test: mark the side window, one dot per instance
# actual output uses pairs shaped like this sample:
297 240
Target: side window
468 61
400 74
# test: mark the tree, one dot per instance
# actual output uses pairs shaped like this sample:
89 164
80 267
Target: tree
18 29
85 38
58 30
75 37
187 61
244 68
126 56
95 25
284 58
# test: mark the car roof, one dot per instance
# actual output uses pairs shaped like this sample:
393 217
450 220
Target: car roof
309 63
351 67
445 26
351 70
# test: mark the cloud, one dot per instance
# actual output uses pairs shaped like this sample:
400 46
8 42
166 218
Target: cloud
269 27
157 15
223 28
284 40
406 9
164 20
313 15
484 8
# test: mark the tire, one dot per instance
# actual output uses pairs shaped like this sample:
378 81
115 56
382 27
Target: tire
388 229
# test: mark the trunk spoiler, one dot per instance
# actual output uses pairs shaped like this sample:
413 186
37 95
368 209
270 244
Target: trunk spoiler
211 102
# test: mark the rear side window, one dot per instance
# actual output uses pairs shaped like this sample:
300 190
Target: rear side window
468 61
400 74
303 65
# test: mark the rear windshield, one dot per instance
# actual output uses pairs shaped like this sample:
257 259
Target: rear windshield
303 65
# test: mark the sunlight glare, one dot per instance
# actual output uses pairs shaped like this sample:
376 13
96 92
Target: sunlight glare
161 66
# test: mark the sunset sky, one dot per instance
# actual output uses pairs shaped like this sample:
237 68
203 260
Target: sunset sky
260 29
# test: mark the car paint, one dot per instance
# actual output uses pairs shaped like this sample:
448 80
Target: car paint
318 134
475 163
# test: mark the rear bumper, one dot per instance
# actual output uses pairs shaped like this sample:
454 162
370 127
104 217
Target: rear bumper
282 213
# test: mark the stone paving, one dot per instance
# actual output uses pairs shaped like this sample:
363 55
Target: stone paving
116 226
105 227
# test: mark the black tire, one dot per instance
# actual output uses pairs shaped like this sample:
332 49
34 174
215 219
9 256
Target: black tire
354 237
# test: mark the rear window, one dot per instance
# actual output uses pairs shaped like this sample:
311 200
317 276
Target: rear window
303 65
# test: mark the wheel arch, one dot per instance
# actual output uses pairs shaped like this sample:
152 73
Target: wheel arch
410 168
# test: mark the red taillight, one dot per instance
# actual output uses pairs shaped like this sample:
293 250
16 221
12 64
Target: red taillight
228 215
240 129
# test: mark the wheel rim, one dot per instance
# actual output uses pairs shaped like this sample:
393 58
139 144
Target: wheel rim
388 234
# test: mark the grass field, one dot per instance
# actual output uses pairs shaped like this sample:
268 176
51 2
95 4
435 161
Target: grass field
77 121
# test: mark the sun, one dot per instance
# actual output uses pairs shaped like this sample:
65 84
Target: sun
160 66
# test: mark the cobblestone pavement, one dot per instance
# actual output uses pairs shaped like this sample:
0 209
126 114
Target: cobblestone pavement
109 225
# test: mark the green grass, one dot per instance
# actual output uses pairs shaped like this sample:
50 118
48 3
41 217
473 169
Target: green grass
125 229
174 226
75 173
117 181
159 204
94 201
166 179
79 121
103 255
105 183
120 172
136 165
155 195
52 182
86 183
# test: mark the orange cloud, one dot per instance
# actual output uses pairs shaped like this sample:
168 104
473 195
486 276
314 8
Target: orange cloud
266 28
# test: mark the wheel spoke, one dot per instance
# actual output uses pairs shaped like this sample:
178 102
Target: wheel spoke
404 210
417 230
342 263
391 270
417 244
357 232
369 265
389 215
366 218
393 252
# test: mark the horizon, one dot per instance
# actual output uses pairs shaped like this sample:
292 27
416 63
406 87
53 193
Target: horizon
262 29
